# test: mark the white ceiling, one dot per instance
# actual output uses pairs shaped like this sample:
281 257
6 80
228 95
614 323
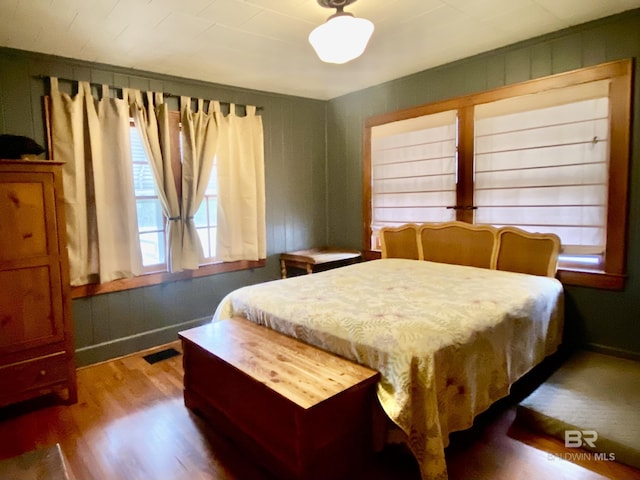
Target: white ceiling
262 44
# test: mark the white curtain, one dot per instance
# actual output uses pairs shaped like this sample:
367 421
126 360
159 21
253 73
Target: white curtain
199 140
152 122
241 232
92 138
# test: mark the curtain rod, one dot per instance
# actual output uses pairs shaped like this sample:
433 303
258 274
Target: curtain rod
166 94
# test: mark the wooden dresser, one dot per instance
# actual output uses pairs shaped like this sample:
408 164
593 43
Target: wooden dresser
36 332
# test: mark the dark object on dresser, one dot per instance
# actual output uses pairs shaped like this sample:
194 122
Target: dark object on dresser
16 146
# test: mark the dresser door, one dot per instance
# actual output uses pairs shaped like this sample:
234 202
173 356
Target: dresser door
30 288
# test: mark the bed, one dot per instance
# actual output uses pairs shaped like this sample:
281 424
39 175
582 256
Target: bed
448 340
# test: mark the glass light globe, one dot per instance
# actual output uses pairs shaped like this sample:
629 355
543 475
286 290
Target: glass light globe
341 38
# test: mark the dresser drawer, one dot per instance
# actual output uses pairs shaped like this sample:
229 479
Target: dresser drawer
33 374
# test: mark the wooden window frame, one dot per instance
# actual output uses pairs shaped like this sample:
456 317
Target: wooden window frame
157 277
612 275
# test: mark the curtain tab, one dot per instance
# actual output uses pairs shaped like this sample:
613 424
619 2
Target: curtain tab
135 98
128 95
185 104
84 88
251 110
53 82
214 106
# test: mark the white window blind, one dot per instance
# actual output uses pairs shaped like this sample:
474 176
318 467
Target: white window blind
541 164
413 171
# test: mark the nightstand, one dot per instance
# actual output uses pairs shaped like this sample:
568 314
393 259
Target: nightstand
315 259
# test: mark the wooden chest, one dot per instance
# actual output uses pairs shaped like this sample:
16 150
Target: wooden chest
299 411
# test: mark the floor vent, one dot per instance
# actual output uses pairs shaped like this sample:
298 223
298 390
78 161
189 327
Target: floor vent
161 355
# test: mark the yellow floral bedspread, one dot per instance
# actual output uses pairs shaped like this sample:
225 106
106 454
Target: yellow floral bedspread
448 340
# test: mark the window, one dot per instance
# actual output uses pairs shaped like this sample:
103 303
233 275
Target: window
151 220
541 164
206 218
547 155
413 170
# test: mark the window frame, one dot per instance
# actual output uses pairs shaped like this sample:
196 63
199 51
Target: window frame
155 277
620 73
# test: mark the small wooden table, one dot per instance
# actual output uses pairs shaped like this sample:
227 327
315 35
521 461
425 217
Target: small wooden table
301 412
314 258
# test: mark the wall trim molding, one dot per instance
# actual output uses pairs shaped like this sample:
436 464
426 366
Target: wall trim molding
120 347
616 352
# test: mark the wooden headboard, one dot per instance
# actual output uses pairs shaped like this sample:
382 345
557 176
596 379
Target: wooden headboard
505 248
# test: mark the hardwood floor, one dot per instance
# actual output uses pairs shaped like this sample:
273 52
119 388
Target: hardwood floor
130 423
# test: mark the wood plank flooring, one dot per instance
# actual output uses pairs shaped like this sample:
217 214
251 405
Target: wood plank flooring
130 423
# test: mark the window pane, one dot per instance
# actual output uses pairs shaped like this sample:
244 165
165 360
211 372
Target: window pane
143 182
203 233
212 186
152 246
212 241
206 217
206 221
213 211
200 218
149 215
148 206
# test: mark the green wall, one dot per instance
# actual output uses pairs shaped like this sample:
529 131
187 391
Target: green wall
314 183
606 319
294 130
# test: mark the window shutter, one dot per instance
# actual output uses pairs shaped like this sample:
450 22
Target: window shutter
413 170
541 164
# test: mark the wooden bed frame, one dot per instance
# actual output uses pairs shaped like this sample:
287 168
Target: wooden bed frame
506 248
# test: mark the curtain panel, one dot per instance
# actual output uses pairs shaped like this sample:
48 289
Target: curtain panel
199 144
92 137
152 122
241 232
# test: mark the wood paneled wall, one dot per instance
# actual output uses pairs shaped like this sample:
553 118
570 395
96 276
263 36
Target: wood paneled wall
604 319
294 130
314 193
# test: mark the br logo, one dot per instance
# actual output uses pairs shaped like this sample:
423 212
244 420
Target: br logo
580 438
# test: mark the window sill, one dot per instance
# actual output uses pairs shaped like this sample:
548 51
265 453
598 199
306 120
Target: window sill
162 277
593 279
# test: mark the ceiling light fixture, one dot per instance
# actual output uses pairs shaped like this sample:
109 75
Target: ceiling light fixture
342 37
